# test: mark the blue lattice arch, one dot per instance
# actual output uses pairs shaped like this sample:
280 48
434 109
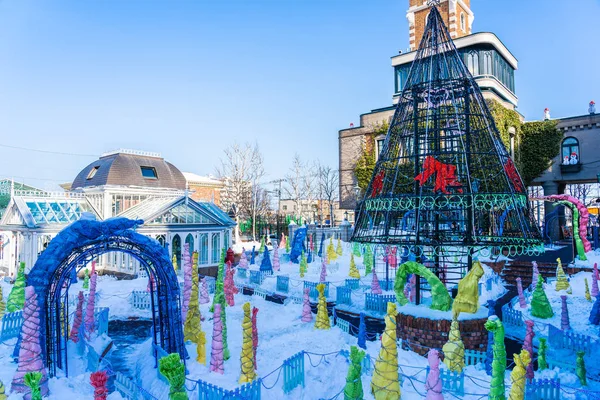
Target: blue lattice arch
78 244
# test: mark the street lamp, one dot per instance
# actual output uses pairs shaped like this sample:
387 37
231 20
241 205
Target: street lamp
346 215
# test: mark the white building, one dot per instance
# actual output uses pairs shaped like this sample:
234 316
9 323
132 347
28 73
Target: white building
124 183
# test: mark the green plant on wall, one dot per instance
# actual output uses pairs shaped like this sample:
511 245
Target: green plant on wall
536 143
366 163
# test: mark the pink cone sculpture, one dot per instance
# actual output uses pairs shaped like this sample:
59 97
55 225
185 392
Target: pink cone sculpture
90 324
375 287
391 256
216 351
150 284
536 272
413 288
204 299
323 276
564 314
311 244
595 280
522 302
74 335
98 380
254 334
187 281
276 263
243 264
229 285
30 351
306 311
433 385
282 242
528 345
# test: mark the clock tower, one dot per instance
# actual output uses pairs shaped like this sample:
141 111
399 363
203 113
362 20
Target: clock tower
456 14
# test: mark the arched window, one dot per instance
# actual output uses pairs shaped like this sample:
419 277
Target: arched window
487 63
189 239
176 250
473 62
203 250
570 151
463 22
216 248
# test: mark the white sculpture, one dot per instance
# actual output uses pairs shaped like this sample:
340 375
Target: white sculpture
592 108
566 160
574 159
546 114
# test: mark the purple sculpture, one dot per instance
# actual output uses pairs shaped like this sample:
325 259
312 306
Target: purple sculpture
528 345
564 315
522 302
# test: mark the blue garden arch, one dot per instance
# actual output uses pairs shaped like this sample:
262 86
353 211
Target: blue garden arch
78 244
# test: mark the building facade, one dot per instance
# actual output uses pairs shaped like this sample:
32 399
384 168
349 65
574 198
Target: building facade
490 62
125 183
204 188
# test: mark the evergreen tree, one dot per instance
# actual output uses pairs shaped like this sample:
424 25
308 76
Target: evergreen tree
540 306
353 389
173 370
338 249
542 364
16 298
368 260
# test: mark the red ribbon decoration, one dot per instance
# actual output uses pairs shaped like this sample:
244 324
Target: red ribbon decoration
445 175
378 183
511 172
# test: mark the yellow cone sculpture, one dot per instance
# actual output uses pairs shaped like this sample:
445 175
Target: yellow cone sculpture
192 327
201 348
517 376
561 279
454 349
385 384
247 355
467 299
322 320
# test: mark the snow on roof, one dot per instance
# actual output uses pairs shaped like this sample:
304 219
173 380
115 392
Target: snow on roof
190 177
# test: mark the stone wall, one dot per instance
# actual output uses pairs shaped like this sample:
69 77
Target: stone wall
419 334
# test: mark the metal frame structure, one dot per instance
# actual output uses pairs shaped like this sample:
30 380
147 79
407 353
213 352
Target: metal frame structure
80 243
444 165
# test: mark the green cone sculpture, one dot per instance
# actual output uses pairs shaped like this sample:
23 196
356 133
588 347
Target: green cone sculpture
540 306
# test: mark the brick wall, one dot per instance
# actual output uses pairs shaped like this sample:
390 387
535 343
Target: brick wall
420 334
208 194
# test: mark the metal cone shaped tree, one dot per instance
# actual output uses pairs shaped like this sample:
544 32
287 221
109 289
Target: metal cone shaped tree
443 168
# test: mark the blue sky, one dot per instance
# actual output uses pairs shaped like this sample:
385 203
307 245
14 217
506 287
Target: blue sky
187 78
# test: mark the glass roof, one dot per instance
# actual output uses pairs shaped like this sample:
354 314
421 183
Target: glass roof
48 211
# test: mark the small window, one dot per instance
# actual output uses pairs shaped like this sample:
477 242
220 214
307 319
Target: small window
570 151
379 143
92 173
149 172
463 22
284 208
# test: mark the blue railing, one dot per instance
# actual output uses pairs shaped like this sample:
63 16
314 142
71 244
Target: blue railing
352 283
542 389
343 295
11 325
378 302
559 339
474 357
140 300
293 372
314 293
513 317
452 381
283 283
249 391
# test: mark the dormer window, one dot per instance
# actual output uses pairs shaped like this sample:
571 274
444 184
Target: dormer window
149 172
92 173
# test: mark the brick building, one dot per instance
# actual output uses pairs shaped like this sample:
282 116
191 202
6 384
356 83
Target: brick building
204 188
488 60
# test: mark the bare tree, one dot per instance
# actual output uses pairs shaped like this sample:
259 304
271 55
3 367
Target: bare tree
328 187
241 169
301 186
582 191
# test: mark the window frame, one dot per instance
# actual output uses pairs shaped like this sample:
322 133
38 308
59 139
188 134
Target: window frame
92 173
575 145
143 167
463 22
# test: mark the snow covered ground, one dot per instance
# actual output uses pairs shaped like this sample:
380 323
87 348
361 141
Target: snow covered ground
281 335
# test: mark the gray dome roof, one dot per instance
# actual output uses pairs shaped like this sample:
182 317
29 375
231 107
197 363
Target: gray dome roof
130 169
